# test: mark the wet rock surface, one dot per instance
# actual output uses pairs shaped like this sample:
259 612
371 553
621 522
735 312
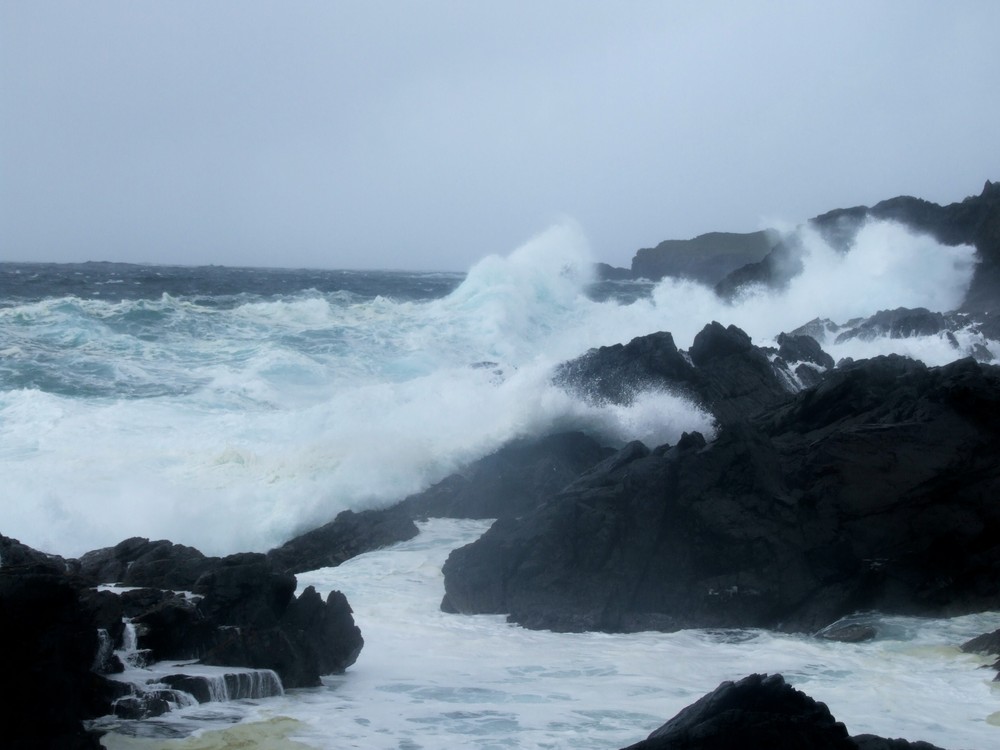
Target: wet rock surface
872 490
762 712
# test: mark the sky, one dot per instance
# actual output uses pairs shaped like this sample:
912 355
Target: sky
427 135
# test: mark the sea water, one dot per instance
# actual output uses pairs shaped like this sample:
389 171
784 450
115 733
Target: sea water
230 409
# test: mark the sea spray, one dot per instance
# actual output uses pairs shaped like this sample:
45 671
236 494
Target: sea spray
233 422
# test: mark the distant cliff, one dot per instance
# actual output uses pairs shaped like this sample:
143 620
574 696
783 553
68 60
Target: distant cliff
708 258
729 261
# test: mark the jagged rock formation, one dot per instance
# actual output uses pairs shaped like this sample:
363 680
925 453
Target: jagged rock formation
242 612
507 483
762 712
723 371
872 490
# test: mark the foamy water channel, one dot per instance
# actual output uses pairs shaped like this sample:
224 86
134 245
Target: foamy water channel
426 679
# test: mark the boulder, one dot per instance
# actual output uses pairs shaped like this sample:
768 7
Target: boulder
873 491
762 712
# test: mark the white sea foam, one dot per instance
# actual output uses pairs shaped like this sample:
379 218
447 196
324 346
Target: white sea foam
232 428
429 679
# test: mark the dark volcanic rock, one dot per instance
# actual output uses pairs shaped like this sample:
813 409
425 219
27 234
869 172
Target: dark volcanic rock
873 491
726 374
759 711
245 589
140 562
313 638
348 535
897 324
51 643
987 644
762 712
508 482
803 348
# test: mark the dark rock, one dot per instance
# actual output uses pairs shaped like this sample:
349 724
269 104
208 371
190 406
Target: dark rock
773 271
871 491
140 562
47 684
974 221
348 535
707 258
511 481
313 639
759 711
245 589
897 324
762 712
257 622
142 706
175 628
727 374
13 553
987 644
803 348
605 272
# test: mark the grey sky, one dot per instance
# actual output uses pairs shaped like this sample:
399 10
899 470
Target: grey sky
425 135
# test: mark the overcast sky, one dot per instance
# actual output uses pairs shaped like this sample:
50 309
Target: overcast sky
425 135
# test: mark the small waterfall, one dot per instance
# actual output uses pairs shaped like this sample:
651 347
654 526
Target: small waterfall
220 686
131 655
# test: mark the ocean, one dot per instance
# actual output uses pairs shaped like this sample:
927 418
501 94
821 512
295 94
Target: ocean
232 408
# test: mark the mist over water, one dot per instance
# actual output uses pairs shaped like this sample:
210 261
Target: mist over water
233 422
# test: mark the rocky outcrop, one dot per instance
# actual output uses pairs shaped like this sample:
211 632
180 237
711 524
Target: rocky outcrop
707 258
511 481
975 331
873 490
723 371
47 683
974 221
987 644
346 536
762 712
506 483
245 614
139 562
242 613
